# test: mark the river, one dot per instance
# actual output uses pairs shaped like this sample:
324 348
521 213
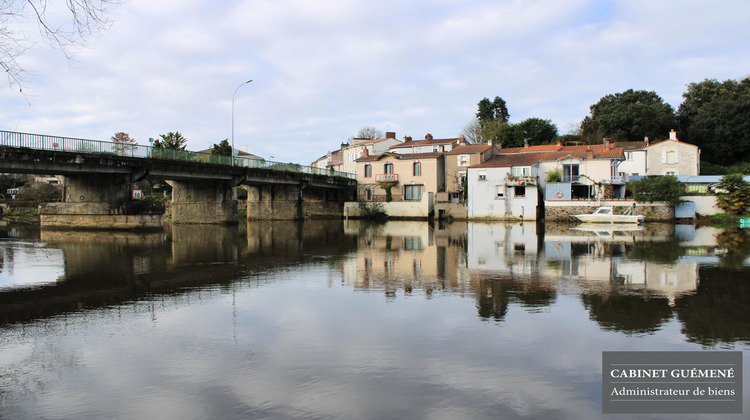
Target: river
346 319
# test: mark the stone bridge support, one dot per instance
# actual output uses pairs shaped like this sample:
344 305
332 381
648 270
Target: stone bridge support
293 202
96 202
203 202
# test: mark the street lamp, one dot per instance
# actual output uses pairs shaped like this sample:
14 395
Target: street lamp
233 96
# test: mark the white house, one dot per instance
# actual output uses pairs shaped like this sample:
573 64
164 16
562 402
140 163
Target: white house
505 187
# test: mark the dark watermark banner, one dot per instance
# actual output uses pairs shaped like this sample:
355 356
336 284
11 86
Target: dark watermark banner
672 382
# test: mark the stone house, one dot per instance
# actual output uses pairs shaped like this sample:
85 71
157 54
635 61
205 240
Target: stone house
673 157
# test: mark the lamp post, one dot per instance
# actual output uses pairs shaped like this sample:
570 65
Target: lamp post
233 96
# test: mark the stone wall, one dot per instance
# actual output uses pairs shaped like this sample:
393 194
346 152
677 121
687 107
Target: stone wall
563 210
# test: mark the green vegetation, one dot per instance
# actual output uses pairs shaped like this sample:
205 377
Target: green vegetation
222 149
171 141
554 175
664 188
733 194
629 116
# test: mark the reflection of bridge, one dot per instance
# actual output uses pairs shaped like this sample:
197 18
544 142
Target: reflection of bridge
99 177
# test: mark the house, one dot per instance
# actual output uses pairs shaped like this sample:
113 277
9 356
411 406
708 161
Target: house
634 158
410 177
332 161
673 157
589 171
428 145
457 161
344 159
505 187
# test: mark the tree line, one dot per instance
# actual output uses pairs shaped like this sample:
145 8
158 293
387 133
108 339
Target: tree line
714 115
170 141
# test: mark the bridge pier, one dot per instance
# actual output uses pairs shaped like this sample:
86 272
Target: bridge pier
293 202
203 202
97 202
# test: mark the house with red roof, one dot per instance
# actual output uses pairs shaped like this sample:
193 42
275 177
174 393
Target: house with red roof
345 158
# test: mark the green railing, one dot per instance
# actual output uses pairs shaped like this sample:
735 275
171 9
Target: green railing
67 144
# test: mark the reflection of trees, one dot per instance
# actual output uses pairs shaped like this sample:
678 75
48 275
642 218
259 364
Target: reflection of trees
718 312
631 314
494 296
667 252
492 300
737 244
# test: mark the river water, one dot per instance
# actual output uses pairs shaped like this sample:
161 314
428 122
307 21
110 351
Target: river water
349 320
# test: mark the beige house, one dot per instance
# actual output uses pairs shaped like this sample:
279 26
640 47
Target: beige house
673 157
413 176
458 160
345 159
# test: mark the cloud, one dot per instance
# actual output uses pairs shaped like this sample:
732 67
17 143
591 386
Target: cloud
322 70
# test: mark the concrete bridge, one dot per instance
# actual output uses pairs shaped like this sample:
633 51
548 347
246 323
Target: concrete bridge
99 177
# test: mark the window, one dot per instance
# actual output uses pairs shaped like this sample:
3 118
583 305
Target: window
368 170
670 157
463 160
482 175
628 155
499 191
670 173
520 171
570 173
696 189
388 168
368 194
519 192
417 166
413 192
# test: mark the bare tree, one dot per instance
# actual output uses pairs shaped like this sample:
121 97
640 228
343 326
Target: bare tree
369 132
83 19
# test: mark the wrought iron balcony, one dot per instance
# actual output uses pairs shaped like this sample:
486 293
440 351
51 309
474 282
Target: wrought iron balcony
386 178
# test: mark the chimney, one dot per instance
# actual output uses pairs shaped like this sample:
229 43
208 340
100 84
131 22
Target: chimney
605 140
589 153
673 135
428 136
559 142
646 140
366 152
407 139
390 135
525 142
344 145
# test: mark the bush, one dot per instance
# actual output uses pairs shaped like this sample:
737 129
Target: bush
554 175
39 192
663 188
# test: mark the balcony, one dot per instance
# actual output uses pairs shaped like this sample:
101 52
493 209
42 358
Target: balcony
571 178
386 178
520 180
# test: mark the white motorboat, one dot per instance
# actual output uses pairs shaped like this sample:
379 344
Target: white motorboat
607 215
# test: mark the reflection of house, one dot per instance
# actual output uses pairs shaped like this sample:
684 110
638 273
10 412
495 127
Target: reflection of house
673 157
507 248
402 254
505 187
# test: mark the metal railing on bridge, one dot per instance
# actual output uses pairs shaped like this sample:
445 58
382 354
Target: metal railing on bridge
67 144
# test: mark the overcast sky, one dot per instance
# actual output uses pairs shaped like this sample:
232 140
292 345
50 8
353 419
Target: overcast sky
324 69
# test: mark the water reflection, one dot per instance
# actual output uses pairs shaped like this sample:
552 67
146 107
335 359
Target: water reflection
354 320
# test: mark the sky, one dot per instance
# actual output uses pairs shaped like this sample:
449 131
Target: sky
322 70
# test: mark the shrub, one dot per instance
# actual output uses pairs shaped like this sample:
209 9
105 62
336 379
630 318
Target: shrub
663 188
554 175
39 192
